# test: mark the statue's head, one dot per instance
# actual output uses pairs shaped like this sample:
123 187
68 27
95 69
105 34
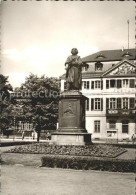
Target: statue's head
74 51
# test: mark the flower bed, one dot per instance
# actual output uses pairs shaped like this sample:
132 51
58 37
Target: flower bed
87 163
93 150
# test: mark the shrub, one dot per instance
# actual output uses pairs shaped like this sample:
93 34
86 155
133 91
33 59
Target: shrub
86 163
13 143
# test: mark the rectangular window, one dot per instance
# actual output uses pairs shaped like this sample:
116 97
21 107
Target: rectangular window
132 83
96 126
107 84
119 83
132 103
85 84
97 104
112 83
112 125
87 104
97 85
125 103
125 82
112 103
124 126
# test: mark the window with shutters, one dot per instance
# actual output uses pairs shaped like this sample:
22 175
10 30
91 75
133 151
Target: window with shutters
97 126
132 83
125 126
97 104
98 84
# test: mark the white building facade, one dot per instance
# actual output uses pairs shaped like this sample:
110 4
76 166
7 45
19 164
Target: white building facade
109 83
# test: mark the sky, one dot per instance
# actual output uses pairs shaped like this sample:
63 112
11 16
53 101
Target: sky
37 36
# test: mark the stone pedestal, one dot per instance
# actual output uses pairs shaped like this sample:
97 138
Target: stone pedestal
71 120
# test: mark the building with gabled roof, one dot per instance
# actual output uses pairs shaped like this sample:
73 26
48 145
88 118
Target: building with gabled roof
109 83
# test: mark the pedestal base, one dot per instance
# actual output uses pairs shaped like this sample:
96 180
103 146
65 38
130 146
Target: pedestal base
62 138
71 129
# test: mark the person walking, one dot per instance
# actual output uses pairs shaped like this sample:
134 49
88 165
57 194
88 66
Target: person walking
23 135
133 138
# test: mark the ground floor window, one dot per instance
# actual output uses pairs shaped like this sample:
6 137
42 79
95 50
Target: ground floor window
112 124
96 126
125 126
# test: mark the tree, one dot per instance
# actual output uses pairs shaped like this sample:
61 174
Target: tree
40 101
5 100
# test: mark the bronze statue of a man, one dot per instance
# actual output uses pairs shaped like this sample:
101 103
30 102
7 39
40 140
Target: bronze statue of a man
73 66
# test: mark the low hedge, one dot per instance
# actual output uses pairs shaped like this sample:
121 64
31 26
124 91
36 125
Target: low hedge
126 145
86 163
13 143
122 145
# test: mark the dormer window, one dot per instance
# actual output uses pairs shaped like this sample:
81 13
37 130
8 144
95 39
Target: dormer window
100 56
127 54
85 67
98 66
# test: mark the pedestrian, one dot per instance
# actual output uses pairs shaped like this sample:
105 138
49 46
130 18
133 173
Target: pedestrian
33 135
23 135
133 138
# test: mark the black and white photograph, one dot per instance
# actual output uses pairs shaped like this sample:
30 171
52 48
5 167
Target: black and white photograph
67 97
